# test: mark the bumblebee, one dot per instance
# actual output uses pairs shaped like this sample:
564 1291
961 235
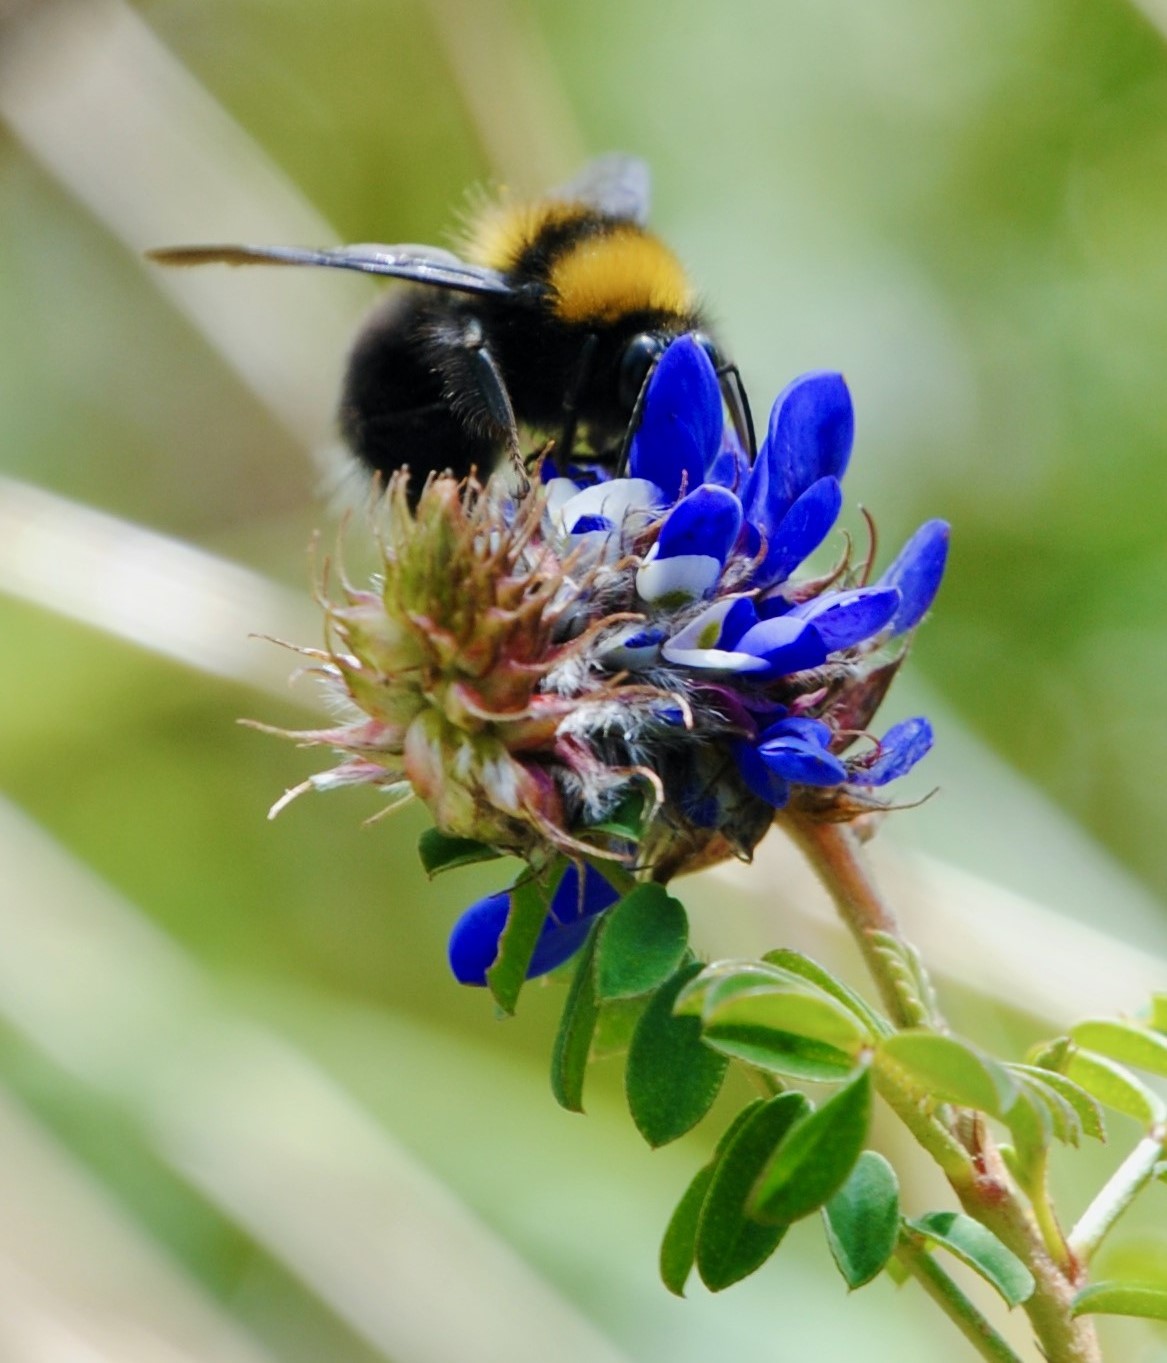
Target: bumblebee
553 319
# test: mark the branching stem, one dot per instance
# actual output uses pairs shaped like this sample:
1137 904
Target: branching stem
1120 1190
978 1177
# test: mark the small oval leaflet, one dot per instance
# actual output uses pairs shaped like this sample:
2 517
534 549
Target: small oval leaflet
672 1077
1125 1042
730 1243
1114 1086
952 1071
977 1246
817 1155
862 1220
642 941
1123 1299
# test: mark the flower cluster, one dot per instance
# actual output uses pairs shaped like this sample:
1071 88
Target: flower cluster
626 668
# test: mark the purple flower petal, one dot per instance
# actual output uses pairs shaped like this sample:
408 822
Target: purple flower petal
787 644
797 726
706 521
801 762
812 428
679 435
475 936
844 619
902 747
800 532
760 780
917 573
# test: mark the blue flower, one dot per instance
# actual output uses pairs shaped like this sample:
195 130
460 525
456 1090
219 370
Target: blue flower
475 936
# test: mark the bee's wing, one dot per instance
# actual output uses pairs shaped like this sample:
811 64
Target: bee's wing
617 184
420 264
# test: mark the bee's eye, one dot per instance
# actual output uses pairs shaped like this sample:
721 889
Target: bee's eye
716 359
640 354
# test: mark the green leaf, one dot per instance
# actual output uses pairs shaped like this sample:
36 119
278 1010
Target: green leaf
439 852
806 968
577 1026
977 1246
1158 1018
529 902
862 1220
730 1243
806 1036
1122 1299
1126 1042
1063 1121
1114 1086
680 1239
615 1025
952 1071
672 1077
641 943
1085 1107
813 1162
679 1245
1032 1125
722 980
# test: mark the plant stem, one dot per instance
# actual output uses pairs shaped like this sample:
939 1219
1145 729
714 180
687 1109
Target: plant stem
980 1179
834 853
910 1251
1120 1190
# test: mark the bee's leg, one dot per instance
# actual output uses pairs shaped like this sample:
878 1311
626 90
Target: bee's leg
477 368
579 381
734 394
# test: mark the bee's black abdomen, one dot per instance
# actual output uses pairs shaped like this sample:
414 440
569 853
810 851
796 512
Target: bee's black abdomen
393 408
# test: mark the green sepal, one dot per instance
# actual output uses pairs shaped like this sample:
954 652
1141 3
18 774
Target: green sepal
1126 1042
1122 1299
1114 1086
577 1027
641 943
949 1070
815 1159
730 1243
672 1077
528 912
439 852
862 1220
977 1246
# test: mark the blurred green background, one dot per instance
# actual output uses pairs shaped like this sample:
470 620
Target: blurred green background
244 1113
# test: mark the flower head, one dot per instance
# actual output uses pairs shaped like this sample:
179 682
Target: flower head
628 668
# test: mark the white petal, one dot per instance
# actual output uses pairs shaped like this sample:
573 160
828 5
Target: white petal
685 575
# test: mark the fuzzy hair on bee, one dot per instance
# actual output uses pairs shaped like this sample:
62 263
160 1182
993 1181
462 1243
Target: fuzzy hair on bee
551 318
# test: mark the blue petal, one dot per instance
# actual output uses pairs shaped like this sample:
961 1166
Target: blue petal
810 730
679 435
475 936
706 521
844 619
812 427
474 939
917 573
731 468
741 616
902 747
767 785
800 532
787 644
587 524
802 763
